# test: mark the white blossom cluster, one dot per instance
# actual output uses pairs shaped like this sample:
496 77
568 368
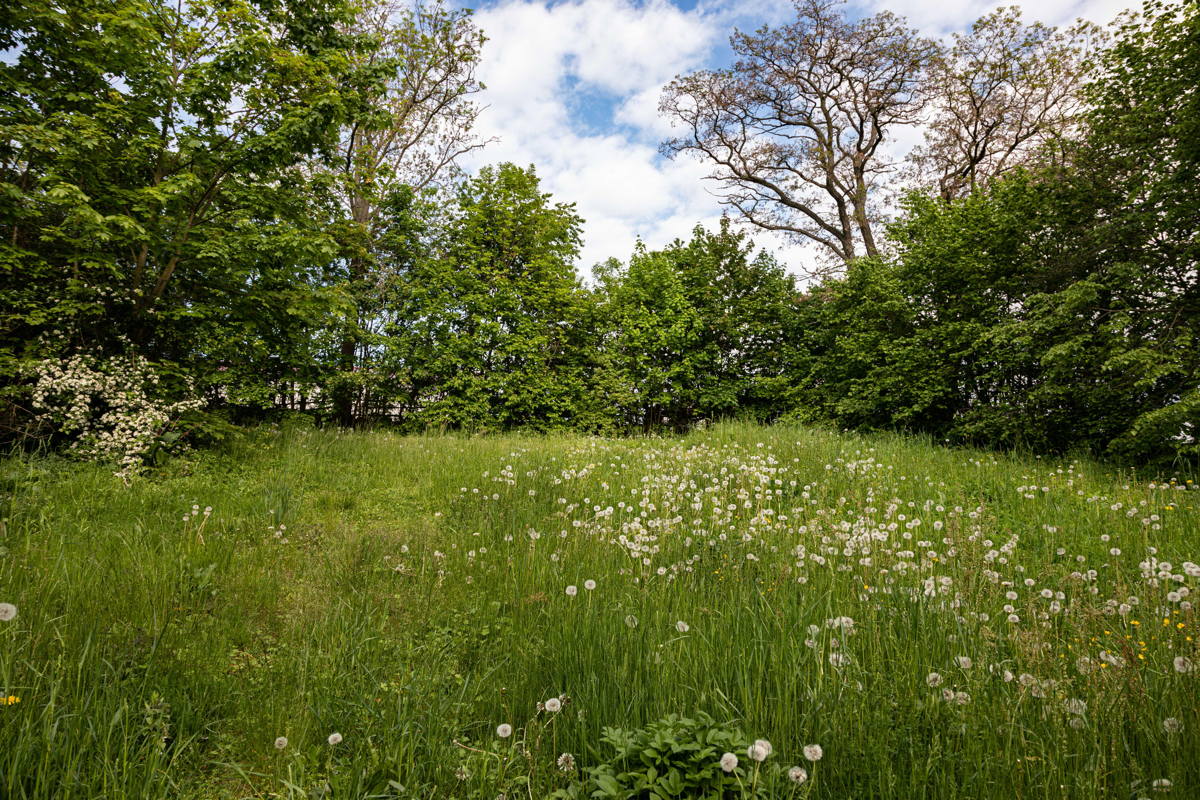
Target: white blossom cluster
111 407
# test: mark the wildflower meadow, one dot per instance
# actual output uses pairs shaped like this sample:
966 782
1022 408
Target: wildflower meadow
741 611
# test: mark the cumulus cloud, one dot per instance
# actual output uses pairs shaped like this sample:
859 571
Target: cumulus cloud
573 88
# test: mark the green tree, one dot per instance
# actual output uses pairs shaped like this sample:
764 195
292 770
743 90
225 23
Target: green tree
698 330
418 122
152 178
483 324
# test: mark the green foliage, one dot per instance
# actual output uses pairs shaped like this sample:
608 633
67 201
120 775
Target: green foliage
152 180
698 330
243 193
482 325
925 341
673 757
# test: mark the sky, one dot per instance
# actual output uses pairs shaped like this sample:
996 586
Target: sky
573 89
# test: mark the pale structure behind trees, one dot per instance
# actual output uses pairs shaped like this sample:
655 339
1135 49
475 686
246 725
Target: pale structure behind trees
795 128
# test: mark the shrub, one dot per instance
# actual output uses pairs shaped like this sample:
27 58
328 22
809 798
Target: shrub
675 757
115 410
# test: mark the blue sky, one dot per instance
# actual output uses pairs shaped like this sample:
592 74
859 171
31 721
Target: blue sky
573 88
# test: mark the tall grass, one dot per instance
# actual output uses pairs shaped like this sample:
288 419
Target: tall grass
411 595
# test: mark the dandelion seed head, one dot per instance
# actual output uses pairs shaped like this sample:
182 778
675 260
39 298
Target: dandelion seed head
759 750
729 762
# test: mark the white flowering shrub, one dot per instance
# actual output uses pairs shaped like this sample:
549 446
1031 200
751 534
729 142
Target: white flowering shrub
114 409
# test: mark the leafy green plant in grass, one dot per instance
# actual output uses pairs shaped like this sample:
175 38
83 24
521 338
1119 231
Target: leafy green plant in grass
676 756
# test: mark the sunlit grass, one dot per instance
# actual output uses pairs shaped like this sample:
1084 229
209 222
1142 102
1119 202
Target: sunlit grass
411 594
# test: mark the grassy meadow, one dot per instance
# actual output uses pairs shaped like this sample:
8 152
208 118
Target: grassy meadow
943 623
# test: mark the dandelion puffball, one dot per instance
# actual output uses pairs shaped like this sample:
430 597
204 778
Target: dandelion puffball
589 584
933 679
553 705
504 730
572 590
7 612
681 626
281 742
797 774
1183 664
813 752
759 750
335 738
729 762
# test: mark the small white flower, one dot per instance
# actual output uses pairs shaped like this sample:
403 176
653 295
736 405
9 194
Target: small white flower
813 752
281 743
504 730
7 612
589 584
572 590
335 738
797 774
729 762
553 705
681 626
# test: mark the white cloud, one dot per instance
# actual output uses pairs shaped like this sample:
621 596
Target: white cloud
573 88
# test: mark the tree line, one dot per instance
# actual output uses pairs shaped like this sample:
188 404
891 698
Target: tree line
260 201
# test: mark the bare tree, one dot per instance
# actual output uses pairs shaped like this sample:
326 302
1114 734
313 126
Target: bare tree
421 120
795 129
1002 96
